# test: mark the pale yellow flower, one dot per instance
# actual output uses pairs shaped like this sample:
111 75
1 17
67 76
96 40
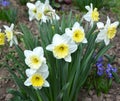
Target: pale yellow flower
37 78
92 14
62 47
107 32
34 59
10 34
77 33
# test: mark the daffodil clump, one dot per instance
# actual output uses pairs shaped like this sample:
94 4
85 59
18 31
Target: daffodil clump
41 11
63 57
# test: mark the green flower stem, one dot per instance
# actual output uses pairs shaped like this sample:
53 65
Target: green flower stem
38 95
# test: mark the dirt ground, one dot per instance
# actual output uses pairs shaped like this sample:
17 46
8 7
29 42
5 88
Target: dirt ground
6 82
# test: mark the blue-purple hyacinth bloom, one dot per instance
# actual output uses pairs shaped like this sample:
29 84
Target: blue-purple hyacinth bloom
100 71
110 70
100 68
4 3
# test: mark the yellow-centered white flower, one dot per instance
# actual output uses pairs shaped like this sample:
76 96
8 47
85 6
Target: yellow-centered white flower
107 32
36 11
49 12
34 59
92 14
37 78
62 47
77 33
10 34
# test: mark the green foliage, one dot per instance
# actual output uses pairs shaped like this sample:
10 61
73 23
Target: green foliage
66 79
23 2
9 15
71 75
82 3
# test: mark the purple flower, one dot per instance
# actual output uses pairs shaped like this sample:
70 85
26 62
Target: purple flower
100 60
5 3
100 68
110 70
100 71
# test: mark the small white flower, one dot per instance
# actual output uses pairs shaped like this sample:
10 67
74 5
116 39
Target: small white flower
10 34
37 78
62 47
41 12
49 12
92 14
77 33
35 11
34 59
107 32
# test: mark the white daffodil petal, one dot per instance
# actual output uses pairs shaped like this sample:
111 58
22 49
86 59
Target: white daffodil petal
115 24
15 40
27 82
84 40
30 5
11 43
43 68
39 51
6 27
87 7
73 48
27 53
38 3
12 26
68 58
30 72
56 38
108 21
46 84
76 25
101 36
87 17
45 74
100 25
50 47
107 41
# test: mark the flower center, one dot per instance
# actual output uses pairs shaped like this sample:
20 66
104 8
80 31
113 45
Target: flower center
95 15
2 38
61 50
9 35
78 35
37 80
34 10
35 62
39 15
111 32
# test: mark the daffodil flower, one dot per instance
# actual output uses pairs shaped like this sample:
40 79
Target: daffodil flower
37 78
2 38
49 12
35 11
34 59
77 33
10 34
107 32
92 14
62 47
